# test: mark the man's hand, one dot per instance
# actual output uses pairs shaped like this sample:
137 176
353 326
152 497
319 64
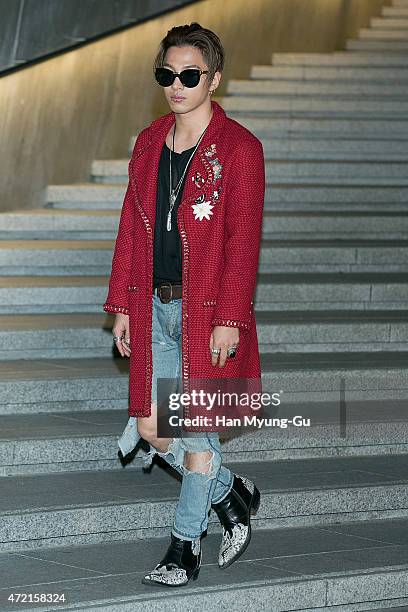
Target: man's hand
223 337
121 328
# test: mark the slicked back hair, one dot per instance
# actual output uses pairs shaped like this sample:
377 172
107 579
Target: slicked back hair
195 35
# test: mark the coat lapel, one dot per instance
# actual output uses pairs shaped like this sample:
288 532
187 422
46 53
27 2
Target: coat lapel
143 167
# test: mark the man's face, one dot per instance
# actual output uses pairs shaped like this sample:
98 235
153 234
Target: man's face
178 59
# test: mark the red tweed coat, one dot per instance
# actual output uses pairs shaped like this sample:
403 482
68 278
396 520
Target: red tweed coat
220 223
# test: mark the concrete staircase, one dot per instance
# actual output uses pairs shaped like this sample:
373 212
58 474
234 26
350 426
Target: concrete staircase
332 315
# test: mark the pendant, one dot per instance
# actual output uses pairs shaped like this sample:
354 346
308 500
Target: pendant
172 199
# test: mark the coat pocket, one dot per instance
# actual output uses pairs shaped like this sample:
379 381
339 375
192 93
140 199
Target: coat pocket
213 302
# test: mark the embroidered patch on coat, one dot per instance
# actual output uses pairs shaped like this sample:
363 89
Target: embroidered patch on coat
197 179
203 208
210 151
216 193
217 167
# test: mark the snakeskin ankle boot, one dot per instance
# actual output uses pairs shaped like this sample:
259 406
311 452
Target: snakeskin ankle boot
181 562
234 512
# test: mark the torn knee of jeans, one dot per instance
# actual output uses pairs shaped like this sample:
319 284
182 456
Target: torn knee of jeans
210 473
171 450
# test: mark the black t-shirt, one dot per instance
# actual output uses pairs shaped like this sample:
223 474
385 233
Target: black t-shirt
167 259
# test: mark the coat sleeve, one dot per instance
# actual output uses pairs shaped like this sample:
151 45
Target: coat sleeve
117 298
243 233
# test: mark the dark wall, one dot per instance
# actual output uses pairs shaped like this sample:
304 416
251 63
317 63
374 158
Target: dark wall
31 29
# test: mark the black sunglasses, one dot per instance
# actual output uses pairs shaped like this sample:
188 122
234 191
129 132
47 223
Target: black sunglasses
189 77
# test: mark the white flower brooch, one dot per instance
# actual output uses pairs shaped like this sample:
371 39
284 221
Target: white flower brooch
203 209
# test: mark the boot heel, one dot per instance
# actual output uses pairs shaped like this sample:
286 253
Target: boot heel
256 500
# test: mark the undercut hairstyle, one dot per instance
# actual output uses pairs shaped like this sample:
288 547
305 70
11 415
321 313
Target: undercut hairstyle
195 35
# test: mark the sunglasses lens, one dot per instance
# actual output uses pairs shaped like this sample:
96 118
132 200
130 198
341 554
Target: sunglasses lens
190 77
164 77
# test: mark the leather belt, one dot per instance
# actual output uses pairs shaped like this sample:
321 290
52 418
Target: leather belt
168 291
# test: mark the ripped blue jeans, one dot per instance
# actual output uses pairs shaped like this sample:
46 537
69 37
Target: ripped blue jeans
198 490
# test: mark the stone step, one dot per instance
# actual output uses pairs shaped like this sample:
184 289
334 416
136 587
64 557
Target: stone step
55 257
342 197
294 129
63 441
394 12
370 224
305 106
332 331
70 257
100 506
323 128
328 205
307 171
341 58
317 150
341 75
329 256
279 87
325 291
296 291
60 336
56 220
77 336
342 174
325 149
377 46
391 34
76 441
328 148
34 386
67 234
344 151
389 605
96 196
389 23
290 197
339 567
335 225
33 294
295 224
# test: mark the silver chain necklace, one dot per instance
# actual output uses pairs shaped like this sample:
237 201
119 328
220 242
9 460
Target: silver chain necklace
174 192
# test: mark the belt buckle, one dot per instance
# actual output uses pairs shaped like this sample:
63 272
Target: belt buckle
171 292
